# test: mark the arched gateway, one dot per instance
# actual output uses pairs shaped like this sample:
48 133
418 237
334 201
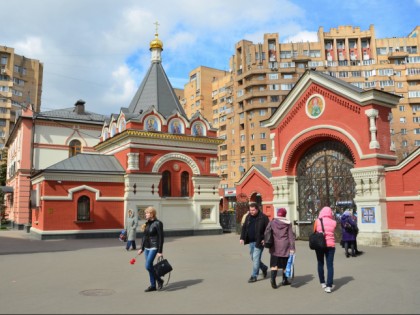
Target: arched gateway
324 179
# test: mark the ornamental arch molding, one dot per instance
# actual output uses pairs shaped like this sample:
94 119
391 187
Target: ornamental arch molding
295 144
178 157
296 149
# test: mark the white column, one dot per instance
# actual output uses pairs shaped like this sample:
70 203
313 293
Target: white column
133 161
372 114
273 148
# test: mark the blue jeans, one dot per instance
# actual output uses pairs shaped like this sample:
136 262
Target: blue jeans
256 254
329 258
149 255
130 244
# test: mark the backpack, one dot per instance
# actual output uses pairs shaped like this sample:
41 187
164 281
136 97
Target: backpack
268 236
348 227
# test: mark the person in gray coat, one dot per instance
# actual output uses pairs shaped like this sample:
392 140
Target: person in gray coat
283 246
131 226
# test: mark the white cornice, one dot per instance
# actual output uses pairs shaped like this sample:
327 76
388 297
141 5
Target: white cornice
78 178
363 98
404 198
69 196
150 144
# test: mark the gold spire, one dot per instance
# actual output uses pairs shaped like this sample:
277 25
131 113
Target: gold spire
156 43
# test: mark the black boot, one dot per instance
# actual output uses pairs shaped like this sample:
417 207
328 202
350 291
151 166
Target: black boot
273 279
285 281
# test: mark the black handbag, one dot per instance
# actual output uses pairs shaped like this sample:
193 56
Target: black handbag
268 236
162 267
317 239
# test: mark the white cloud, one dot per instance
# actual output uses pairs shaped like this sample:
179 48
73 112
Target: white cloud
98 50
122 88
304 36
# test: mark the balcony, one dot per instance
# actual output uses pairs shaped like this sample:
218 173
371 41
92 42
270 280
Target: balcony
301 58
397 55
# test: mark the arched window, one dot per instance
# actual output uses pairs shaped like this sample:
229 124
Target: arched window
83 209
75 147
166 184
185 180
113 129
122 125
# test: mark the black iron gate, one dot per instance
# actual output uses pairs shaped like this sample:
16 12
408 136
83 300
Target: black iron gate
324 179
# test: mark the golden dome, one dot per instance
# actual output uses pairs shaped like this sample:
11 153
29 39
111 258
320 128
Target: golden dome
156 43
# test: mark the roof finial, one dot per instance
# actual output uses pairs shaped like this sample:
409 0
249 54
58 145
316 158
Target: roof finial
157 26
156 45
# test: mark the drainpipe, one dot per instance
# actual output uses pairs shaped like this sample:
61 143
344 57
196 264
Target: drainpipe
31 169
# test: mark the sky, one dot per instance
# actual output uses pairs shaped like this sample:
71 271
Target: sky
98 50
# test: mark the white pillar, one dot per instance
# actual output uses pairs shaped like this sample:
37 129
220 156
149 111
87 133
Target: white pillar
133 161
372 114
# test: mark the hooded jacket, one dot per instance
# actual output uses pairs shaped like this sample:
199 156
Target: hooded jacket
284 238
348 217
329 225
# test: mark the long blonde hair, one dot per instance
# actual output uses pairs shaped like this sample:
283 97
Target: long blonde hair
152 212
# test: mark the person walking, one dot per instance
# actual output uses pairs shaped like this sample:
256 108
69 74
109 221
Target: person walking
131 226
283 246
326 218
252 233
152 246
349 233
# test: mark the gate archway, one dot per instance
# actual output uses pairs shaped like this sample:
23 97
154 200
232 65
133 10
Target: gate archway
324 179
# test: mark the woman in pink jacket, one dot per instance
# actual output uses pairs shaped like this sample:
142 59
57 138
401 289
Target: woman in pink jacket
327 217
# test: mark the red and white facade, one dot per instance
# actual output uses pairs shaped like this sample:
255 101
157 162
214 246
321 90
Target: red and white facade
387 195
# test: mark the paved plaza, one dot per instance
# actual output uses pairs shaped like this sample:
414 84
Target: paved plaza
92 276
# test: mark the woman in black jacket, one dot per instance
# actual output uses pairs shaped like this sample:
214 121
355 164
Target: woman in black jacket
152 246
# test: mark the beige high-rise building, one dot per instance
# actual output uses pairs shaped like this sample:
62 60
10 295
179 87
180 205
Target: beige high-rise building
20 85
263 74
198 91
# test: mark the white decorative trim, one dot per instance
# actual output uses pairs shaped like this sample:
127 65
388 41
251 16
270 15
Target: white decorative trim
97 178
79 188
273 148
176 156
342 131
403 198
372 114
157 144
133 161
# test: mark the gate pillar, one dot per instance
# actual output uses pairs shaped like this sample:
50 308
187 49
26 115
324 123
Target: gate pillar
284 196
371 206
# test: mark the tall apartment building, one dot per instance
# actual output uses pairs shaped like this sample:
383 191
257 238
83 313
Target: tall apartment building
198 91
263 74
20 85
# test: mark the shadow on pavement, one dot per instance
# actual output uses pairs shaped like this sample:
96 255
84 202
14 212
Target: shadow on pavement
174 286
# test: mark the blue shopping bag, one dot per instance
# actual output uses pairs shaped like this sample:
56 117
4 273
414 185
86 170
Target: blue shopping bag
290 270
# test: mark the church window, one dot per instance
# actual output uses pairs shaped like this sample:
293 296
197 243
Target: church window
166 184
75 147
83 209
185 179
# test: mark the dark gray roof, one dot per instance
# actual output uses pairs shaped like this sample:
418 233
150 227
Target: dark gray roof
71 115
90 163
338 81
263 170
6 189
156 90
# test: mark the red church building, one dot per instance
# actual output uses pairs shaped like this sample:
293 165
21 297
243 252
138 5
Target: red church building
149 154
332 147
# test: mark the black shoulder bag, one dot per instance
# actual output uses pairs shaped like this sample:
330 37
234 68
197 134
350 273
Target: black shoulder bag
162 267
317 239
